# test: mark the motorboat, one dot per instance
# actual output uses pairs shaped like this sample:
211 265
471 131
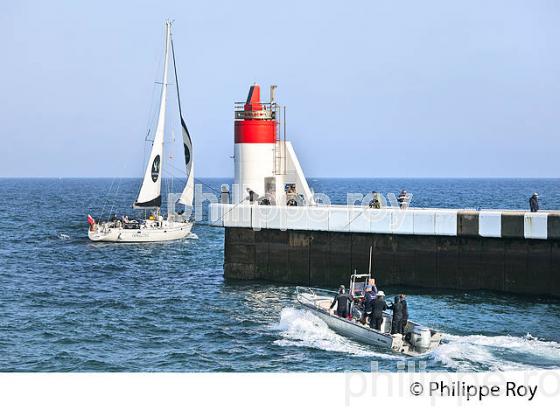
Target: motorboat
416 340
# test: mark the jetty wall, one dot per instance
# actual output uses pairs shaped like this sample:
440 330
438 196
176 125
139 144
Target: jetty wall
506 251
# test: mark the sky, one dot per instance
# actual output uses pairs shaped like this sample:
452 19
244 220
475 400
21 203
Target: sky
465 88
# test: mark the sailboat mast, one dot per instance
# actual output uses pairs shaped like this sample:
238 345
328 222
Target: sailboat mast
164 88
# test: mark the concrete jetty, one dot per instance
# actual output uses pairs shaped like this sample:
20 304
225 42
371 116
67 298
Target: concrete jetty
509 251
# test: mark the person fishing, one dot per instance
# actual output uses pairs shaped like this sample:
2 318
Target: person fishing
397 308
379 306
343 301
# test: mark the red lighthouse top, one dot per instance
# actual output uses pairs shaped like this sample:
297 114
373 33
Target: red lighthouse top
254 99
256 122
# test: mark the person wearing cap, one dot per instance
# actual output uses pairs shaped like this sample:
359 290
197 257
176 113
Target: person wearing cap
534 202
379 306
343 301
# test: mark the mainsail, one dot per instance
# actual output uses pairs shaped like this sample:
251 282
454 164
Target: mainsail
188 193
150 192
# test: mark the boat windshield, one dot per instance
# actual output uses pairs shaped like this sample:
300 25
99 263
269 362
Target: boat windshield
358 284
359 289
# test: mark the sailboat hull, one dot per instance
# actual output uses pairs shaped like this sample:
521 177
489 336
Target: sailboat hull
171 232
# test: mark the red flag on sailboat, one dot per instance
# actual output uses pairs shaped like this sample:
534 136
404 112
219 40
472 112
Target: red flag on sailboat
90 220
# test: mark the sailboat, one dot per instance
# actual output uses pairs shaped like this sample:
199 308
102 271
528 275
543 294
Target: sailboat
155 228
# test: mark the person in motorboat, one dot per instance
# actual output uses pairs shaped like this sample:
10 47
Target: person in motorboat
343 301
379 306
397 308
404 310
368 304
373 287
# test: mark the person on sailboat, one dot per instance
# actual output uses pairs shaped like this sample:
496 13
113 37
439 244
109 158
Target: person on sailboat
343 301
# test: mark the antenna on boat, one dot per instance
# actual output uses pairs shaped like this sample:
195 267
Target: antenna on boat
370 258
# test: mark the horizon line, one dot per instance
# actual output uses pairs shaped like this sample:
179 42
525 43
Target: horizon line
308 178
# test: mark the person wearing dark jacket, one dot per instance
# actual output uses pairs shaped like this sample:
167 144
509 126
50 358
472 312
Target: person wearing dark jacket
343 301
534 202
379 306
403 199
252 195
397 308
368 304
405 309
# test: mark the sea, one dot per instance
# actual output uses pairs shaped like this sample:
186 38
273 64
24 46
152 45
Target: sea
70 305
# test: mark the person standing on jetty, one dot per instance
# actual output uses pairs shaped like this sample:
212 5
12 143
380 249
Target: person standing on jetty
534 202
403 199
375 203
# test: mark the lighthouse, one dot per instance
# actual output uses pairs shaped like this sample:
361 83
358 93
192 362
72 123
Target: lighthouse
265 165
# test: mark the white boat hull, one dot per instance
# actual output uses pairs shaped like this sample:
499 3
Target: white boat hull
168 232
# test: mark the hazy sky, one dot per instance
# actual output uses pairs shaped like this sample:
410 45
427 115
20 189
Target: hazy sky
373 88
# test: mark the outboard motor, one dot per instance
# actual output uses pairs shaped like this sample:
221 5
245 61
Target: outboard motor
420 338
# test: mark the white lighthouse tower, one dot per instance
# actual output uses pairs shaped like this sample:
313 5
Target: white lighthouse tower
266 167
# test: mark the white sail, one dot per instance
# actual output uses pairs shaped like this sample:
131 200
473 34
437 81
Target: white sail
187 195
150 192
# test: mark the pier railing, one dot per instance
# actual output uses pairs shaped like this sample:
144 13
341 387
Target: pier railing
390 220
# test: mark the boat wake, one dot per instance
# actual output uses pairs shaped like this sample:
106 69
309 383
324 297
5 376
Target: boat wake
497 353
302 329
63 237
192 235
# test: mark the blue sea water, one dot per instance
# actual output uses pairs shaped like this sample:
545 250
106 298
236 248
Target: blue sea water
67 304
